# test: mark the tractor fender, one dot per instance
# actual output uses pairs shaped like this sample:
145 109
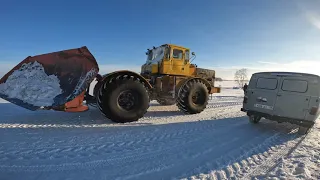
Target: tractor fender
185 81
115 74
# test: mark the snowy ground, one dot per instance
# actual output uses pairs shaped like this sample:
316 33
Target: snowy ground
219 143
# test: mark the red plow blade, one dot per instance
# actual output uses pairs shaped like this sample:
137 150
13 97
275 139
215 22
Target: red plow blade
49 80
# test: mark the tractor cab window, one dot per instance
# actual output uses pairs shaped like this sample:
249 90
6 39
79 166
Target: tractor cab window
150 55
177 53
156 55
186 56
167 52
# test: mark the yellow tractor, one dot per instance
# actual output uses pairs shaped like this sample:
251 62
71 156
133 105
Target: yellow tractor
61 81
175 80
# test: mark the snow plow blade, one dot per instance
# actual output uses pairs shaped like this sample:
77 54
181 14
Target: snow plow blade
49 80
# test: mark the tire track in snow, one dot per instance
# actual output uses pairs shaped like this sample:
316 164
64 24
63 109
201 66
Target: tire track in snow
268 165
75 117
148 152
252 161
96 149
221 151
224 104
245 165
44 113
195 158
18 111
106 147
177 113
222 98
116 145
101 138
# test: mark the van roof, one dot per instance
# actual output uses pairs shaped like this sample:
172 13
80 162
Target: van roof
284 73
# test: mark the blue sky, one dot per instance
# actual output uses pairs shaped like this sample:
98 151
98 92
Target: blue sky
226 35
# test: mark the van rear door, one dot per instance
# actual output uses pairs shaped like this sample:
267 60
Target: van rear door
262 94
292 98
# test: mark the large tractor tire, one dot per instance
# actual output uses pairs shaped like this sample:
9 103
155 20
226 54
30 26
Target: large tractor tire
123 99
193 97
166 102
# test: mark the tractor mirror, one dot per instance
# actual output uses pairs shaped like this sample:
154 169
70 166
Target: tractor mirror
193 53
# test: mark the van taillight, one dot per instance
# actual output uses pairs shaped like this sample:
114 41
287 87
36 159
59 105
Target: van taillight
314 110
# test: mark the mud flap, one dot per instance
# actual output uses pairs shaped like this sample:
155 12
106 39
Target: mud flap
49 80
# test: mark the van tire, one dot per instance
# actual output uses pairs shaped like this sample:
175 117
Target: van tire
254 119
304 130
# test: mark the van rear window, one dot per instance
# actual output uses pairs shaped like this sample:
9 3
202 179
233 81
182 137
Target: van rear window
267 83
292 85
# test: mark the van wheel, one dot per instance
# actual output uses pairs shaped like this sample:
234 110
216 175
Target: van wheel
304 130
254 119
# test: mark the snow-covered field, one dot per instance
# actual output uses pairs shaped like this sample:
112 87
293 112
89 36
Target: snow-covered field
218 143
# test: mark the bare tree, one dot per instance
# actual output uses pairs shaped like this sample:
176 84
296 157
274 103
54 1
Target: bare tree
241 76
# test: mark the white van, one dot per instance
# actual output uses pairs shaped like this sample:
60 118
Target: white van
283 97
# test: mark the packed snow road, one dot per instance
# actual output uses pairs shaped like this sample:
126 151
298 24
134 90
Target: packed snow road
219 143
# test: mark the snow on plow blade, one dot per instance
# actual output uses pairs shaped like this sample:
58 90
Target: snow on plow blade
49 80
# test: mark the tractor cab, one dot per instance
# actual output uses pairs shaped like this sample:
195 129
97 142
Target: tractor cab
156 55
167 59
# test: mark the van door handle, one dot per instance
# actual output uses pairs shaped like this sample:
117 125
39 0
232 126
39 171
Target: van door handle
279 95
261 99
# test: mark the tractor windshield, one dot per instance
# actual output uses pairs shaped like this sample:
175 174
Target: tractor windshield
156 55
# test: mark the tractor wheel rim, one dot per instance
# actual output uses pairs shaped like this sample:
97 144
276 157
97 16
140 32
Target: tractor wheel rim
127 100
198 98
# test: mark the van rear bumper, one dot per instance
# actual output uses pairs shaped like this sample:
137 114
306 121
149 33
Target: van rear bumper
280 119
